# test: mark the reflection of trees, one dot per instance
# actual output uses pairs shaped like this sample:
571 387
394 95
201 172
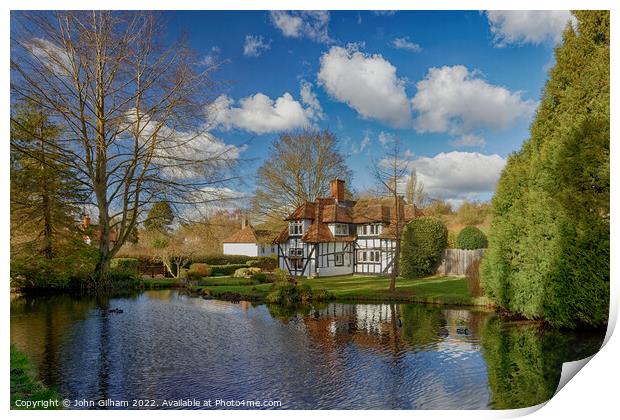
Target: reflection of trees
421 325
524 360
37 326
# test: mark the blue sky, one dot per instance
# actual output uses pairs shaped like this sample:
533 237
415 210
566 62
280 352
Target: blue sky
458 88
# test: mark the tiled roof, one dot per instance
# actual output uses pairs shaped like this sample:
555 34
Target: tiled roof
249 235
329 210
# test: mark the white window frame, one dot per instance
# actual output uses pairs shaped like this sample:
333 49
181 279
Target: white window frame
369 256
296 227
339 256
342 226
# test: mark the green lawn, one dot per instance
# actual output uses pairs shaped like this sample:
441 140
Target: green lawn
445 290
24 387
437 289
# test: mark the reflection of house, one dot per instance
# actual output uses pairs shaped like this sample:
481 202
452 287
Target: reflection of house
333 236
92 233
250 241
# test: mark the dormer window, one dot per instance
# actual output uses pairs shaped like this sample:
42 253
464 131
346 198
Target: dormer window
369 230
341 229
296 227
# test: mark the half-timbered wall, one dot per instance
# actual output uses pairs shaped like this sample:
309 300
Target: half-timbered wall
337 258
382 265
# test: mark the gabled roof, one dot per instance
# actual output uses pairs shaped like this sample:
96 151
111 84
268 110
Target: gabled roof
329 210
250 235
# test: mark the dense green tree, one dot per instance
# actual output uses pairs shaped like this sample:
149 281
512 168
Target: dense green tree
548 253
471 238
45 195
423 241
160 217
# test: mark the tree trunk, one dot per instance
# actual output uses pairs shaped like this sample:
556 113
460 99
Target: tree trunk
46 205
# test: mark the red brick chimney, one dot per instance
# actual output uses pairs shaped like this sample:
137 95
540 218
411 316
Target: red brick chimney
86 221
336 187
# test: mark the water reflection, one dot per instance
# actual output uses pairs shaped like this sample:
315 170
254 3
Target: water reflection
168 345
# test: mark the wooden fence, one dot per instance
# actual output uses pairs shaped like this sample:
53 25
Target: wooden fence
455 262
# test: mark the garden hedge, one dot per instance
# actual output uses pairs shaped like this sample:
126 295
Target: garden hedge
471 238
423 241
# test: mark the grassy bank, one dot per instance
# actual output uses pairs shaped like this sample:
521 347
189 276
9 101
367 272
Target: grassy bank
441 290
25 389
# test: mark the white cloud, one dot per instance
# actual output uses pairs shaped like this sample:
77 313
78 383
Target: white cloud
212 57
459 175
309 98
303 24
50 54
385 138
183 153
456 101
261 114
367 83
405 44
255 45
468 140
527 26
356 150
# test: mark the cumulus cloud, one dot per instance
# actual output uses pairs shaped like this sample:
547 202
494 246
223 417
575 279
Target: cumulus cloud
527 26
309 98
468 140
255 45
459 175
367 83
302 24
456 101
405 44
260 114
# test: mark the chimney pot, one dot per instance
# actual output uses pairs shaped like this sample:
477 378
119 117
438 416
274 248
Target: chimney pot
336 187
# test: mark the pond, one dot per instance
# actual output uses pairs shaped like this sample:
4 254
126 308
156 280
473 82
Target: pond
166 345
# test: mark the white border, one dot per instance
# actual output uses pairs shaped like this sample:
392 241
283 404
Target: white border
593 393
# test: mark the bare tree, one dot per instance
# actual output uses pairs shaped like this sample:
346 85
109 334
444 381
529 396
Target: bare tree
414 190
389 174
299 169
133 108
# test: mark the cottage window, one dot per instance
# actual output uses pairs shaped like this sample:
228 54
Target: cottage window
342 229
372 256
296 257
296 227
339 260
366 230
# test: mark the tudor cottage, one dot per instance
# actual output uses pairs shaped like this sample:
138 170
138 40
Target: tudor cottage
333 236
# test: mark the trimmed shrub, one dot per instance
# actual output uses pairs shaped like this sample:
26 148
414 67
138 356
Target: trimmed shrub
221 259
226 270
423 241
286 293
260 277
264 263
246 272
280 275
471 238
125 266
198 270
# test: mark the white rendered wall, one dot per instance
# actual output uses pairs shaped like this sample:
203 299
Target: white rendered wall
251 250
